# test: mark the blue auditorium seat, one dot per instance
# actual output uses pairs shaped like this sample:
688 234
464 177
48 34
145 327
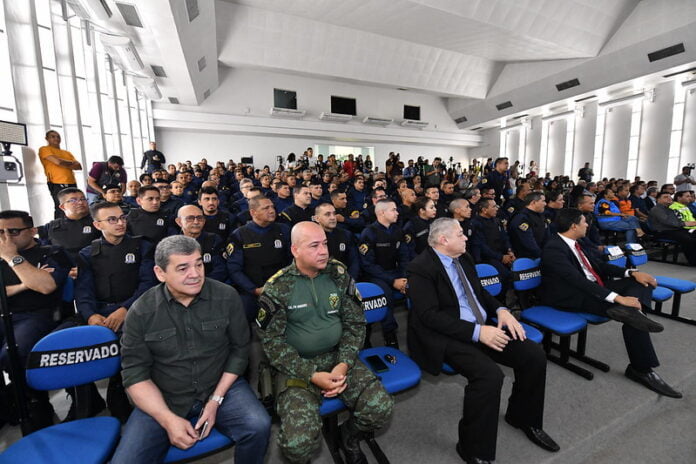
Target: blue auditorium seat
62 359
213 443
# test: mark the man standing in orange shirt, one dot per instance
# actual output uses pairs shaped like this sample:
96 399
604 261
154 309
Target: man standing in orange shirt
59 166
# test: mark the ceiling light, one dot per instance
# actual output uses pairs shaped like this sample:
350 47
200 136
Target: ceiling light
627 99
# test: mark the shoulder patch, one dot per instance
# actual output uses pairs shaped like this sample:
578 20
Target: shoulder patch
484 180
523 227
230 249
407 238
511 209
355 214
363 248
275 276
267 309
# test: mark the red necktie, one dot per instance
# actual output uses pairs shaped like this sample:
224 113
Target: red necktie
587 264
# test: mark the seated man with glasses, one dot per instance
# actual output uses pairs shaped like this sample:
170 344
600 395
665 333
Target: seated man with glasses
33 276
192 221
113 271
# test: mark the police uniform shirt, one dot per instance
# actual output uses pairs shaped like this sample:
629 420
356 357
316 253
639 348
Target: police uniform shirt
70 234
352 220
368 215
255 253
190 195
222 224
489 240
171 206
31 300
498 181
528 233
384 253
466 227
281 204
112 276
341 244
416 231
357 199
295 214
212 249
154 226
512 206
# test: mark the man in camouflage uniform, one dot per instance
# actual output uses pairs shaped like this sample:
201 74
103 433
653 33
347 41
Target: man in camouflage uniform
311 328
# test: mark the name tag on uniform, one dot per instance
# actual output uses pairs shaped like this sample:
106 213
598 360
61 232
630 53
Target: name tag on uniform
87 230
251 245
299 306
383 245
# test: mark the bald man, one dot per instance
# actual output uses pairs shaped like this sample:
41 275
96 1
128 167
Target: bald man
191 220
311 328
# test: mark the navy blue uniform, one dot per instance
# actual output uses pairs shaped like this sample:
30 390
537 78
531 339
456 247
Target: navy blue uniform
357 199
254 254
221 224
71 235
499 182
384 255
171 206
295 214
281 204
212 249
342 247
112 276
529 232
489 243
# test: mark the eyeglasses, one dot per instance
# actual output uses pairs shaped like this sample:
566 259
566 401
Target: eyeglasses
115 220
72 201
198 218
13 232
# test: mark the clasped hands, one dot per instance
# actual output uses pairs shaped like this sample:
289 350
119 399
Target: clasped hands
495 337
332 383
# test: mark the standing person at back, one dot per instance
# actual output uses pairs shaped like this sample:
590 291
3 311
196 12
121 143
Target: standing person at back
59 166
103 173
153 158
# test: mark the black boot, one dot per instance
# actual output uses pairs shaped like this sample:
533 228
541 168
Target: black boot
391 340
40 409
350 443
117 400
94 402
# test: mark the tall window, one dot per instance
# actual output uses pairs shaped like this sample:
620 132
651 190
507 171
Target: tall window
598 160
7 100
675 140
634 141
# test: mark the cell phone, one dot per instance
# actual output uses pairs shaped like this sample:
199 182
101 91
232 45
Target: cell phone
376 363
204 427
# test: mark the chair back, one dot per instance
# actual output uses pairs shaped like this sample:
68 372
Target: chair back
73 356
374 302
489 278
636 254
526 274
615 256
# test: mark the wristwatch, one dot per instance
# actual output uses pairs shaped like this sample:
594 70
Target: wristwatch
217 399
16 260
631 272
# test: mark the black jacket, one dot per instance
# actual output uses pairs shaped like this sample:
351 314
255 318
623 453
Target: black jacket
563 282
434 317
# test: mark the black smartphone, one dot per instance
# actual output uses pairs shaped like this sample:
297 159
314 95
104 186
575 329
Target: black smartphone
204 426
376 363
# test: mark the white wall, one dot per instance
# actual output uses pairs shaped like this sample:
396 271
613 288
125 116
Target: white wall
234 121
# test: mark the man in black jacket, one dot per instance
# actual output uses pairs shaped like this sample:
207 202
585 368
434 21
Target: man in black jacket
573 280
450 322
668 224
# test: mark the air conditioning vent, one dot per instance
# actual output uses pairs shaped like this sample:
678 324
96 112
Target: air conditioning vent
206 94
666 52
337 117
377 121
415 124
158 70
287 112
590 97
521 116
192 9
173 100
477 128
461 120
568 84
504 105
130 14
201 64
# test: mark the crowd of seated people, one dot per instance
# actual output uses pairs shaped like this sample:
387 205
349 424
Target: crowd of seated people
376 223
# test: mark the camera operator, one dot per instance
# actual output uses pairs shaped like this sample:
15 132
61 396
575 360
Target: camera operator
685 180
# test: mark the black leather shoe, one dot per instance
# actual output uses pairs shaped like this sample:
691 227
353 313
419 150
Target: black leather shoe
536 436
350 443
653 381
470 459
634 318
391 340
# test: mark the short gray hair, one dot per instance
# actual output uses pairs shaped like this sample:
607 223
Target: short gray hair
440 227
174 245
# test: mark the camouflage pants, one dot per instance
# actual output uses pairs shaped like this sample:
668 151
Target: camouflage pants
298 408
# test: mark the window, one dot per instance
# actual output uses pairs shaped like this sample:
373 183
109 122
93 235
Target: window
7 100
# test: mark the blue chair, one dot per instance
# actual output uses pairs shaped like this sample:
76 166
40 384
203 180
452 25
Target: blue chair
403 374
62 359
213 443
490 281
666 245
526 278
666 286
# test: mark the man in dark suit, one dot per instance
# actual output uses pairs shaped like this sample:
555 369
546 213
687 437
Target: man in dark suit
450 322
575 281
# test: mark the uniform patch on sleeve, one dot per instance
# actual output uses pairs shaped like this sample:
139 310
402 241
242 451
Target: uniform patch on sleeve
511 209
484 180
523 227
267 309
228 250
363 249
407 238
355 214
